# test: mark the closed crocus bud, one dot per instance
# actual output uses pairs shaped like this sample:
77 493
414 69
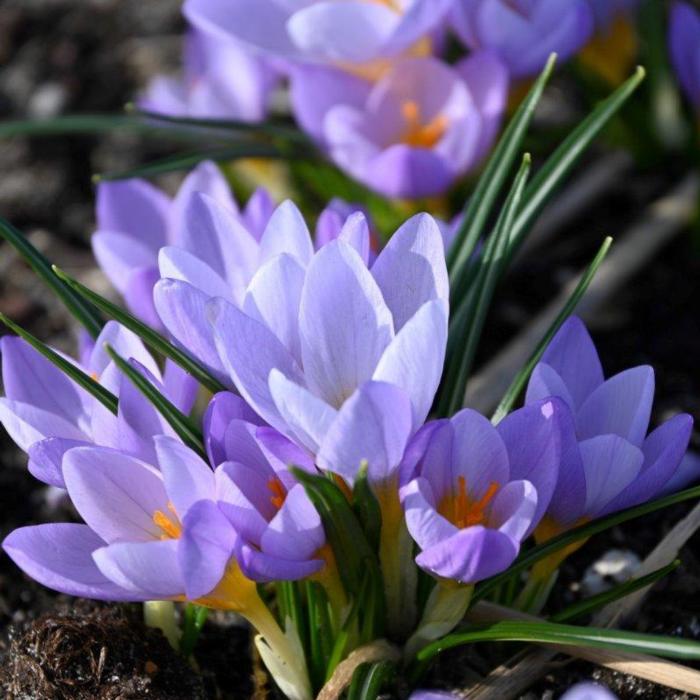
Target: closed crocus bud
524 32
684 30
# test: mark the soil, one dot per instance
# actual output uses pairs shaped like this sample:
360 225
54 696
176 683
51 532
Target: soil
92 55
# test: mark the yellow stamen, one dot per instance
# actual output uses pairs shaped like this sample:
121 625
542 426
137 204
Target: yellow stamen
169 525
421 135
279 493
461 511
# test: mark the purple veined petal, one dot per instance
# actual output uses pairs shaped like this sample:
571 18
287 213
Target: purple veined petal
463 142
150 570
281 453
119 254
257 212
684 25
86 344
573 356
308 417
418 20
138 295
533 438
687 474
419 447
214 234
328 227
126 343
30 378
355 232
273 299
431 695
513 510
180 264
222 409
115 494
186 476
249 351
350 138
663 451
415 357
286 232
46 457
242 444
427 527
478 454
611 464
588 691
374 424
28 424
183 310
411 268
470 555
164 94
205 548
244 496
621 406
545 383
179 386
296 531
263 568
136 208
352 32
59 556
344 324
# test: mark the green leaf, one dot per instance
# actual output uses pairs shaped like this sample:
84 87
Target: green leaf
522 377
480 204
180 423
290 606
588 605
358 681
195 617
320 632
560 163
552 633
152 338
469 332
104 396
82 311
378 677
366 507
582 532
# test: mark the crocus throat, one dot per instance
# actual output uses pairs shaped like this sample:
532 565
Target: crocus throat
418 134
279 493
169 524
460 510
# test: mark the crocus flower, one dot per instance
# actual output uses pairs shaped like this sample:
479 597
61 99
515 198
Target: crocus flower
348 33
135 220
608 460
472 492
684 29
524 32
431 695
418 128
220 80
46 413
588 691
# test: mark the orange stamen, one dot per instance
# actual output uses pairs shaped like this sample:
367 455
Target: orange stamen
169 525
461 511
279 493
95 376
421 135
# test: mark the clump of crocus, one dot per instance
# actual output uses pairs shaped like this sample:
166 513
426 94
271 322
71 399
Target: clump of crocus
524 32
684 30
46 413
220 80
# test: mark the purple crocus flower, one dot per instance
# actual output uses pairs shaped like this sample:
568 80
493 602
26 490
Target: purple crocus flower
524 32
608 460
605 12
684 30
46 413
417 129
588 691
472 492
337 33
220 80
431 695
135 220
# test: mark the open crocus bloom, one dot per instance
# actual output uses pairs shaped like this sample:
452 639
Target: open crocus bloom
472 492
326 31
135 220
588 691
46 413
524 32
420 127
684 30
608 460
220 81
343 359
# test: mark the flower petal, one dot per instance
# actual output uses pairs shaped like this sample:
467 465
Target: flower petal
286 232
426 525
222 409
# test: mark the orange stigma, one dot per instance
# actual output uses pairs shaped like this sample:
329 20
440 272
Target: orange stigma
461 511
279 493
95 376
421 135
169 525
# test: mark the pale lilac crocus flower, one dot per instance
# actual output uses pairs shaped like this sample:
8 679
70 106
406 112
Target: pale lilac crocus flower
135 220
588 691
524 32
220 80
46 413
684 30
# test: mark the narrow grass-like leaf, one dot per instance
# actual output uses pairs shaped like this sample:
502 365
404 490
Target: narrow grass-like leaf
378 677
480 204
358 681
195 617
589 605
366 507
469 333
289 601
82 311
523 375
582 532
82 379
152 338
552 633
320 633
180 423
